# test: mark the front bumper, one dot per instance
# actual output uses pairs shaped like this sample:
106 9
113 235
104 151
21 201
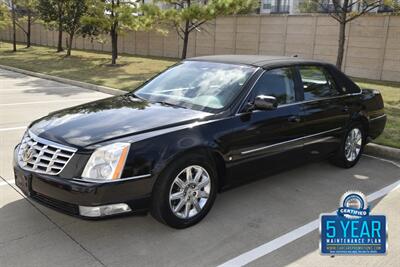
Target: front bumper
67 195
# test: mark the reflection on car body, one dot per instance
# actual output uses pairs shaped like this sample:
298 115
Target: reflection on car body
203 125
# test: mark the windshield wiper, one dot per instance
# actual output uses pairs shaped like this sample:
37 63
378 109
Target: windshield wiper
136 96
170 104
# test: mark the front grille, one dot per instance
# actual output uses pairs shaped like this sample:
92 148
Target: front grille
56 204
42 156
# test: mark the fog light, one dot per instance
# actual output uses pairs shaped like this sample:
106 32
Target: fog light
105 210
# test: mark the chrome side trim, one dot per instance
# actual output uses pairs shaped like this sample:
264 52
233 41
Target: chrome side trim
377 118
289 141
112 181
323 139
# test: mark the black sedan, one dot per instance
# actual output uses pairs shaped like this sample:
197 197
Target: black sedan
201 126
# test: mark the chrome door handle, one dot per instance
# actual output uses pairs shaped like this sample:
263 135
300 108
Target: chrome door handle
294 119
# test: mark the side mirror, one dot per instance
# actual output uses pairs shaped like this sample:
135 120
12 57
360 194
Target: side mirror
265 102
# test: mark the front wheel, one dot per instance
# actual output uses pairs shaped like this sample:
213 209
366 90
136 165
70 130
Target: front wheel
185 192
352 147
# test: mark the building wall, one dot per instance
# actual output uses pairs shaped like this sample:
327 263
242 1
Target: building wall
372 48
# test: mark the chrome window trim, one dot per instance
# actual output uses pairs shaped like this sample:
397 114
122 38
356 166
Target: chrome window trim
319 99
294 103
250 90
377 118
289 141
87 180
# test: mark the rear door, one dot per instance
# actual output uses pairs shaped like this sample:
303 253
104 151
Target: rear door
323 109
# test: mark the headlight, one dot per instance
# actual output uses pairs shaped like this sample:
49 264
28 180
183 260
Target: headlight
107 162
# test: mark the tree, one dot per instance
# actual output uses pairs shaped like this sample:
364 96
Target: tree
14 23
187 16
74 11
26 12
67 15
345 11
105 18
4 16
112 14
308 7
12 7
394 5
114 17
27 9
53 12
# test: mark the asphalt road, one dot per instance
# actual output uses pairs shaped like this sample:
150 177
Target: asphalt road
270 222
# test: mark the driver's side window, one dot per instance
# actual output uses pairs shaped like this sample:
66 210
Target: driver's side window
278 83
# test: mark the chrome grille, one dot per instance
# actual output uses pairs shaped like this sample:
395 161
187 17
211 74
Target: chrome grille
43 156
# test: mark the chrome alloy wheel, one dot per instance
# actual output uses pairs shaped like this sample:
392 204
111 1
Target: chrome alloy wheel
189 192
353 144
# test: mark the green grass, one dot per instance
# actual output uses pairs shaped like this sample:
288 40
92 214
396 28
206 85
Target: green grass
93 67
90 67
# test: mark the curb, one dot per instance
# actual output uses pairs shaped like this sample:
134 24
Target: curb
382 151
99 88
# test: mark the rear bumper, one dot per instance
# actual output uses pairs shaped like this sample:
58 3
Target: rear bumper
66 195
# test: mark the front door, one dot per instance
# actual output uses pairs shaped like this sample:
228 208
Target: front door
260 137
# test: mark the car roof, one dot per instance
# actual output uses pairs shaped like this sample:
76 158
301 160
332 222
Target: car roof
255 60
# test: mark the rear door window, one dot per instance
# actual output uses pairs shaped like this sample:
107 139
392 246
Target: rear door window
317 83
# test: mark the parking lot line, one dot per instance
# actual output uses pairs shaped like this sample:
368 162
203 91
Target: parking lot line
297 233
12 129
25 88
7 182
46 102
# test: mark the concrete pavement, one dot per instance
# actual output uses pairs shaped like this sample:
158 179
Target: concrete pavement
242 218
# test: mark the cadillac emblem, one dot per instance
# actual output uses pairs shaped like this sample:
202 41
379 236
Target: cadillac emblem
27 154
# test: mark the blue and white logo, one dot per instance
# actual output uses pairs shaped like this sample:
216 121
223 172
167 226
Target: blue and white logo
353 205
353 230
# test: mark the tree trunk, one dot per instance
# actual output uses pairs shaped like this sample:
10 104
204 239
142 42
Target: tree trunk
14 23
71 38
60 38
185 40
342 38
28 31
114 46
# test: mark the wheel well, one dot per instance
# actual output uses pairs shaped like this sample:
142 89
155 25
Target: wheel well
365 124
221 169
216 159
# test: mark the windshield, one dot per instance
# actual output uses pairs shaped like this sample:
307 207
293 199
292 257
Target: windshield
204 86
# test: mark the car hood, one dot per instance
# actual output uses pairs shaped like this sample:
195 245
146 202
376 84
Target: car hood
110 118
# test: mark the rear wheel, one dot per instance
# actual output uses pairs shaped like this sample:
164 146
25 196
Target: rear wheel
185 191
352 146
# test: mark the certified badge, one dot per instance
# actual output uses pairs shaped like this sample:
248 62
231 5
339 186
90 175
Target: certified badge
353 230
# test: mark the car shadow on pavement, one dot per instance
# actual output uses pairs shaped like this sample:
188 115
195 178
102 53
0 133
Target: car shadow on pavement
43 86
242 219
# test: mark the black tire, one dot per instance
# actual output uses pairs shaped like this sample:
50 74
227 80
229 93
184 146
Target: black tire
340 158
161 209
